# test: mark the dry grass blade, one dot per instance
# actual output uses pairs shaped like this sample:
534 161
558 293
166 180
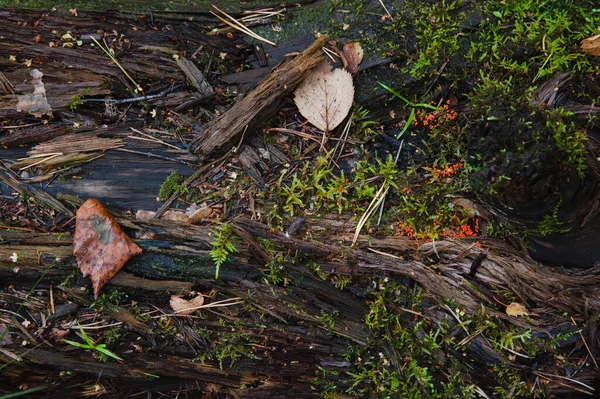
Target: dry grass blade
137 86
550 377
225 302
387 12
148 137
383 253
235 24
375 202
585 343
253 18
343 140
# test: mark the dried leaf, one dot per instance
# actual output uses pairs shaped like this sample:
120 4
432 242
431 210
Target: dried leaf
100 247
185 307
325 96
57 334
591 45
35 103
516 309
353 54
472 208
198 214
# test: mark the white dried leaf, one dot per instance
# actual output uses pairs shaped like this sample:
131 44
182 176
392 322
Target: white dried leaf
185 307
325 96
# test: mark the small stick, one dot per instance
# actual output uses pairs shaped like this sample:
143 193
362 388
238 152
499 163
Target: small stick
151 138
387 12
51 301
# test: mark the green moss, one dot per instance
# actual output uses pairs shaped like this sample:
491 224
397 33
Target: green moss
171 185
77 100
551 224
227 344
299 22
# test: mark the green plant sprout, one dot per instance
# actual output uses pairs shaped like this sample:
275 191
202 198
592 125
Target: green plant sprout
408 103
100 348
222 246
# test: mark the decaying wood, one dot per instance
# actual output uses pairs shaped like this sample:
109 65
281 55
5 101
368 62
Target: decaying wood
293 309
7 177
176 256
195 77
259 105
68 71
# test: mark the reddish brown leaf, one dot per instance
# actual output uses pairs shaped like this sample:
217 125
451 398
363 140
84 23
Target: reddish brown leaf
353 54
100 247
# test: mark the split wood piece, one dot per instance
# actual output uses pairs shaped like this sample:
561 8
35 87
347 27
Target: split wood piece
68 149
195 77
259 105
7 177
34 134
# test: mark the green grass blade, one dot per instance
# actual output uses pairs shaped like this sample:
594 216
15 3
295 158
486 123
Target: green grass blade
103 350
77 344
85 336
395 93
25 392
410 119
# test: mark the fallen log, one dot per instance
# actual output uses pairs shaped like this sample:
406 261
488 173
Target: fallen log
259 105
177 260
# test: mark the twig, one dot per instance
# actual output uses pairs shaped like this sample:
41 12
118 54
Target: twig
387 12
585 343
136 99
151 155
